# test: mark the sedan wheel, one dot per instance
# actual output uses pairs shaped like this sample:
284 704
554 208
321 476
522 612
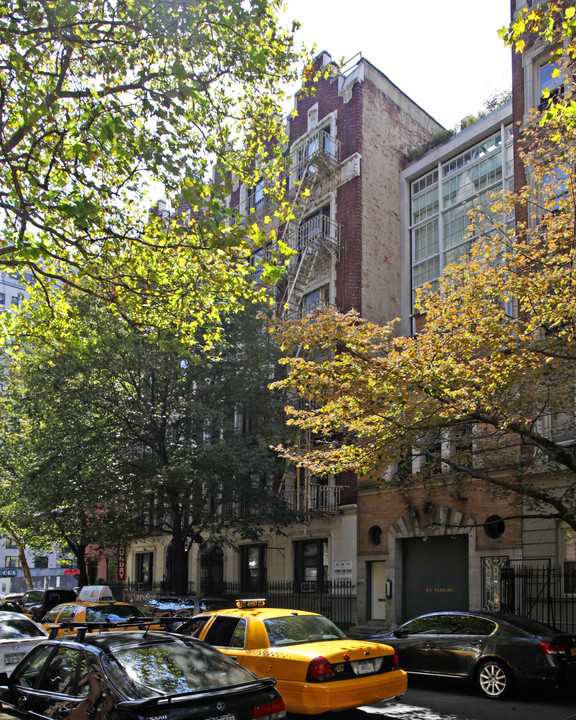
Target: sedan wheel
493 679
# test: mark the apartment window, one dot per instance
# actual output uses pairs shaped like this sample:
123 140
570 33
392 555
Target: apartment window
551 83
319 141
310 564
427 457
316 299
10 544
144 564
12 561
461 444
253 567
2 299
316 226
256 197
41 563
569 552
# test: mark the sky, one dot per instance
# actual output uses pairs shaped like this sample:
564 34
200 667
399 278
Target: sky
444 54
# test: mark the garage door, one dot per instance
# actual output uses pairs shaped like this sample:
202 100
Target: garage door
435 574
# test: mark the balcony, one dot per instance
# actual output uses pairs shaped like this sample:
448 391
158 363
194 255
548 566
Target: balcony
317 157
296 315
315 230
321 499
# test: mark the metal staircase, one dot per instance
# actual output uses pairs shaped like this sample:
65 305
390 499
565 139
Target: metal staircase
318 236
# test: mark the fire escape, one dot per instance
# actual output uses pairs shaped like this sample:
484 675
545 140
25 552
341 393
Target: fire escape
314 236
316 239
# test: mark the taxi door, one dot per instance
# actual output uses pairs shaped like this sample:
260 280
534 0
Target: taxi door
228 634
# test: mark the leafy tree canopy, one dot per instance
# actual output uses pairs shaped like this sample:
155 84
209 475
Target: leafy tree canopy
100 101
125 437
485 392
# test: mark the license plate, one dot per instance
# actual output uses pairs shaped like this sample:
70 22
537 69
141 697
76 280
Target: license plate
364 667
13 658
228 716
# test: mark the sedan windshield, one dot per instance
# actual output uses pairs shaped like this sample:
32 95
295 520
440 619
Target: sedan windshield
295 629
158 669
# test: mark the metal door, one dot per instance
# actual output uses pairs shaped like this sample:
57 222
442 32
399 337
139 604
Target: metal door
435 574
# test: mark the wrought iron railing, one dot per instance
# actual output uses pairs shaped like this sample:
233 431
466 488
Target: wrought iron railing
336 598
543 592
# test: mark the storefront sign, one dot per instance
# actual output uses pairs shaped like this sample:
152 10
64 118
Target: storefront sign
121 566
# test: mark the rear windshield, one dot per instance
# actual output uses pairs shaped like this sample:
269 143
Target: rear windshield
111 613
17 628
295 629
172 669
534 627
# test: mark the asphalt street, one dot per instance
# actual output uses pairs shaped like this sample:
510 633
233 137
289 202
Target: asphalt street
439 700
445 700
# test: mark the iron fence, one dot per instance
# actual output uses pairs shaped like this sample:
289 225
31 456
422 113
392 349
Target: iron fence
336 599
543 592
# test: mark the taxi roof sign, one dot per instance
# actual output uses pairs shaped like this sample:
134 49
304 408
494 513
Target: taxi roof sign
250 603
95 593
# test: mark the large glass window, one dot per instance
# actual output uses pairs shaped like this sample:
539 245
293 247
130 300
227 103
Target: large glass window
442 199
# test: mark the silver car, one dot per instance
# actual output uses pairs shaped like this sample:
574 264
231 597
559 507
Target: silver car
18 635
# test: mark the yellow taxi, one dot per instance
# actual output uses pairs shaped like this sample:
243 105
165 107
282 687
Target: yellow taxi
317 667
94 604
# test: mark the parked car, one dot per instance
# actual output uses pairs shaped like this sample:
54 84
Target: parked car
134 675
317 668
10 606
18 635
95 603
36 603
493 650
186 605
13 596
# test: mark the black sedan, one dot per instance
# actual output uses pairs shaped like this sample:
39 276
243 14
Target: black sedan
132 675
492 650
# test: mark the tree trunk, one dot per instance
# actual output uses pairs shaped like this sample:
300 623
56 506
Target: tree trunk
179 580
24 562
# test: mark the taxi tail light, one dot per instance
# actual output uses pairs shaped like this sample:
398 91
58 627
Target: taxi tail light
320 670
275 710
552 648
396 662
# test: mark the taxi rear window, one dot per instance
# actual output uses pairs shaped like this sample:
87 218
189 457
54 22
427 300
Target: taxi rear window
296 629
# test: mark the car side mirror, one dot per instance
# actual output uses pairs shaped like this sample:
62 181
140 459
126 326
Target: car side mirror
400 633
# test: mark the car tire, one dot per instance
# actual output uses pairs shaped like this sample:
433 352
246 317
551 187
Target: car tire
493 679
